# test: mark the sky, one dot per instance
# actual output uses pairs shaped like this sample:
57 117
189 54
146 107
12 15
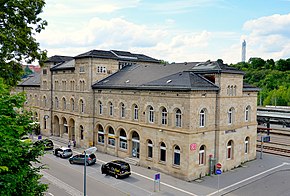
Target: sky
170 30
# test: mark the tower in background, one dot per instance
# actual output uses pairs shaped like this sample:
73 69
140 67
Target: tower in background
244 51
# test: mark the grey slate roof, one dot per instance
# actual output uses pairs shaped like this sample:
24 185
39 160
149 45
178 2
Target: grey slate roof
59 59
215 67
248 87
157 77
118 55
64 65
33 80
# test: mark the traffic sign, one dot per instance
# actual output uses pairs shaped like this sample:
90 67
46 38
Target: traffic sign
218 171
157 177
218 165
266 138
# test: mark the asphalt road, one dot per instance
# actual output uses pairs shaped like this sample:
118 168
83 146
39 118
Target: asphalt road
65 179
267 176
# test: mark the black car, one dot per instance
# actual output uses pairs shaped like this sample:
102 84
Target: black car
63 152
117 168
48 144
80 159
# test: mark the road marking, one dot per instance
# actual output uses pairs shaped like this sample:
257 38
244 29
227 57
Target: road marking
69 189
50 194
273 168
151 179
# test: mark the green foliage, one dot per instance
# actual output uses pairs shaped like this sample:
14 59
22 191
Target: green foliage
19 164
19 22
272 77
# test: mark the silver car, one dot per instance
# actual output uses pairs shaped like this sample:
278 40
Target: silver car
63 152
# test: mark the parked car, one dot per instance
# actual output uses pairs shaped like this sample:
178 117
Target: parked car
26 139
116 168
63 152
80 159
48 144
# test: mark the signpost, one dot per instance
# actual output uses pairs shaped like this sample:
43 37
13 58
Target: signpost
218 171
89 150
265 138
157 181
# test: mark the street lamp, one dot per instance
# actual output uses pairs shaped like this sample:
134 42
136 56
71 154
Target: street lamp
89 150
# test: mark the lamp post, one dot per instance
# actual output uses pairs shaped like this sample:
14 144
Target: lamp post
89 150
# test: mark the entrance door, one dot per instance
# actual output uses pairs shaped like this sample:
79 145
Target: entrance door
135 148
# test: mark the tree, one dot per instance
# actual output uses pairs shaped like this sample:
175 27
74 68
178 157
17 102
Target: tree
19 22
18 160
256 63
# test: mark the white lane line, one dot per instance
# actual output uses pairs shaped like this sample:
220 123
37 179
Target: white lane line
165 184
112 185
151 179
50 194
273 168
69 189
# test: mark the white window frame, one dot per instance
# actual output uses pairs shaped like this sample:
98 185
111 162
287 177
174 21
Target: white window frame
178 118
151 115
164 116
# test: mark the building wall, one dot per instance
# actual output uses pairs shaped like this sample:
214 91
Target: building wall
214 135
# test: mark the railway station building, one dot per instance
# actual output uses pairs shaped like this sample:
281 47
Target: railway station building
174 118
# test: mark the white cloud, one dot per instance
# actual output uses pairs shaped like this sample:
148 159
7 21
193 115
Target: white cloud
120 34
268 37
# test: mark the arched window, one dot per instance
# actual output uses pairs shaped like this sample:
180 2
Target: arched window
176 158
100 108
162 152
136 111
247 145
65 126
122 110
82 106
64 103
247 113
149 149
56 103
164 116
202 118
178 118
81 132
228 90
101 136
230 149
111 109
201 155
111 137
151 114
231 91
230 116
123 139
72 103
235 91
45 101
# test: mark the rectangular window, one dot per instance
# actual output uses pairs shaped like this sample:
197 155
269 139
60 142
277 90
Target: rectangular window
176 158
44 71
162 155
201 157
101 137
82 69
